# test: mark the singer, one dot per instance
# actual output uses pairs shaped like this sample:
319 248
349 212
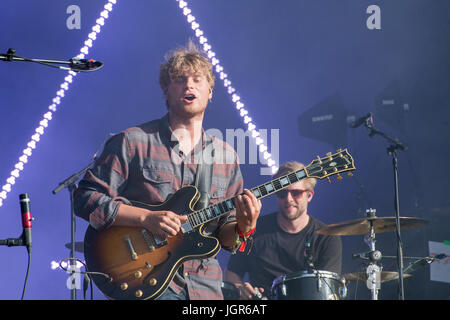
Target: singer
150 162
279 245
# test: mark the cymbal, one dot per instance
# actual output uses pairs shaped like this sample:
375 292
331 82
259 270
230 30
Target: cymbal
362 226
385 276
79 246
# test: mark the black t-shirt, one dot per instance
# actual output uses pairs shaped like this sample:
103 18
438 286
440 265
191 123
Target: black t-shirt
275 252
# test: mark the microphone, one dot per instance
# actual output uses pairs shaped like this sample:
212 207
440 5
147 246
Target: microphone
423 262
362 120
371 255
26 220
85 64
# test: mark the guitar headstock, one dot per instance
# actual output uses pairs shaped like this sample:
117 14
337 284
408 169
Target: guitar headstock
331 164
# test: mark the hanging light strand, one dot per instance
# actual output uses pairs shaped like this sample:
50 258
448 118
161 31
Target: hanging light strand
56 101
235 98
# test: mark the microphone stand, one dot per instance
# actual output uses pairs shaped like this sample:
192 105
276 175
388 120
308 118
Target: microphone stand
392 151
70 184
74 64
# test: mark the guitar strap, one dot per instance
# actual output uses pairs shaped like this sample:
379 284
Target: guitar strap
203 176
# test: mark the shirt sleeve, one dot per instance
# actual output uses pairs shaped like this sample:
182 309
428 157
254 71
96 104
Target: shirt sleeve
97 197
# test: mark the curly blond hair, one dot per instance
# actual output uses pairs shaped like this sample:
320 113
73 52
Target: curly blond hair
183 60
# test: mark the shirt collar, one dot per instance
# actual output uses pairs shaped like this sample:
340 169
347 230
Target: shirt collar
172 141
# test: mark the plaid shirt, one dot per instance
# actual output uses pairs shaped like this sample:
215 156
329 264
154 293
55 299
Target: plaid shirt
144 164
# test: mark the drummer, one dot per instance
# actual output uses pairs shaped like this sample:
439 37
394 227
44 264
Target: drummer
280 242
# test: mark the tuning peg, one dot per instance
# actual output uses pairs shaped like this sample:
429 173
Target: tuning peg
339 177
328 154
328 178
350 174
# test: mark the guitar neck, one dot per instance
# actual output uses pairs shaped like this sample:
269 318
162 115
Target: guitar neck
320 168
199 217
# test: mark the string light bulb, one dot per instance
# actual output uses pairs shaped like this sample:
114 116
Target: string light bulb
56 101
236 99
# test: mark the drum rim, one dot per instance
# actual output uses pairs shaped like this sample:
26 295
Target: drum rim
306 274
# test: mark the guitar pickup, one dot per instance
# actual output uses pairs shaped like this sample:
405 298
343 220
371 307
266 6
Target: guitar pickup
148 239
160 242
187 227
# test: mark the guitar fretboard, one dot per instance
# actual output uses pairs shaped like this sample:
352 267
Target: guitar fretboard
199 217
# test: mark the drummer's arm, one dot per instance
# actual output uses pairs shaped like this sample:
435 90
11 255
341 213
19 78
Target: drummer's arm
232 277
246 290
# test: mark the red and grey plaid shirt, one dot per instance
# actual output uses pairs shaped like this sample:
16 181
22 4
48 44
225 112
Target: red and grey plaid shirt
144 164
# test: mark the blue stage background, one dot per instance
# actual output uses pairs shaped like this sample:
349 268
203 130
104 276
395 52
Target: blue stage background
287 59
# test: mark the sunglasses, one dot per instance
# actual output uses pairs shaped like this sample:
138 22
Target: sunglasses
294 193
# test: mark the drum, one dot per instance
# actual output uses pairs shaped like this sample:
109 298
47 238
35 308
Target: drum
229 291
318 285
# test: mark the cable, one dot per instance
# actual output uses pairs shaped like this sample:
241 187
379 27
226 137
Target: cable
86 273
26 277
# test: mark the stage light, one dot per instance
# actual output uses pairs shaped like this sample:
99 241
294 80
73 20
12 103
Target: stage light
39 131
191 19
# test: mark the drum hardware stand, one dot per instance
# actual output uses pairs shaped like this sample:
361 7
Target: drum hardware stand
392 151
373 270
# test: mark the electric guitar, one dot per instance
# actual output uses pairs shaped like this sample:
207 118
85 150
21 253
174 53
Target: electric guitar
131 263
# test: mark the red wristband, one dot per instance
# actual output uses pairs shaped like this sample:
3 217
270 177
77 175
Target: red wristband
244 237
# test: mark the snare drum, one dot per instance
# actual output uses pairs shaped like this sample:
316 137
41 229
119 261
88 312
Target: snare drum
318 285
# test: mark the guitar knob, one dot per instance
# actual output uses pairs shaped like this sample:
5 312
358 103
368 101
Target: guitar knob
339 177
152 282
138 293
138 274
124 286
